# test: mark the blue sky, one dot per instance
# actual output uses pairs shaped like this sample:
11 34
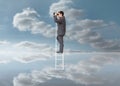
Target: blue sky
27 40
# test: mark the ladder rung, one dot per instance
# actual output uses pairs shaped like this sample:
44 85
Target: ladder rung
60 68
59 54
57 67
59 59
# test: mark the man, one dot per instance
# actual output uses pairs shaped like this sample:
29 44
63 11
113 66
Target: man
59 18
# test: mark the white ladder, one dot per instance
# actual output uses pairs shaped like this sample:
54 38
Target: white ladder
59 57
59 61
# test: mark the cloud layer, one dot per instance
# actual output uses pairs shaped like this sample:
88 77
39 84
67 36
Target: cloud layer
85 72
24 52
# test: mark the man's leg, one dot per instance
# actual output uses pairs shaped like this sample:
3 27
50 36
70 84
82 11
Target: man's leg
60 40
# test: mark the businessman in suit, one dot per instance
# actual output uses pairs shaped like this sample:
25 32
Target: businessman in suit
59 18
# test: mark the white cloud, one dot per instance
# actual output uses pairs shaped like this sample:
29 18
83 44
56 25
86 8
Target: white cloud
25 52
4 61
70 13
107 45
25 79
33 45
85 72
60 5
89 24
4 42
27 20
85 34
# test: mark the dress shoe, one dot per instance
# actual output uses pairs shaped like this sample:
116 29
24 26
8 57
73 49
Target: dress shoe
59 51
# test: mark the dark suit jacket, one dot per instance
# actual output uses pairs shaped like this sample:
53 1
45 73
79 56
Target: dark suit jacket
61 23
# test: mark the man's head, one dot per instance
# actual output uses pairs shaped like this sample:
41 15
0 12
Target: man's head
60 13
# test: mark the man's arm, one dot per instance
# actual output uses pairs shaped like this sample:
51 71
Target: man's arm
57 20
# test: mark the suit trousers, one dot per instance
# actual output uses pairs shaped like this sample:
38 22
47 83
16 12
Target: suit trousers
60 41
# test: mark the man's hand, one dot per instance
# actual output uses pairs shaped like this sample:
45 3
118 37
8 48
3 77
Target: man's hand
54 14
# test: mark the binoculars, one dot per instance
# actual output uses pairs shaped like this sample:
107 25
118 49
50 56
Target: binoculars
55 13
